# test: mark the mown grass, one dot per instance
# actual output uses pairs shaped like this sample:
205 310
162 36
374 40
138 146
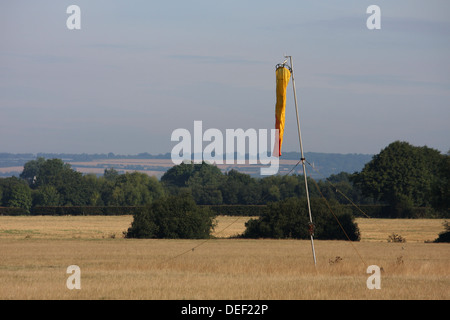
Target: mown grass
102 227
33 263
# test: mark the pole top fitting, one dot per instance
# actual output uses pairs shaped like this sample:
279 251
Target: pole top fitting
284 64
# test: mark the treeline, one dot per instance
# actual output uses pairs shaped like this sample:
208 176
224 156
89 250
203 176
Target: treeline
209 186
53 183
401 181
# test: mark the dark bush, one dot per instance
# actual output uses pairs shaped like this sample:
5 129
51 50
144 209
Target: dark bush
172 218
445 235
290 219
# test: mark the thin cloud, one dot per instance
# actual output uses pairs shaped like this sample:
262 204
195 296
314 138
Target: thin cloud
214 59
380 79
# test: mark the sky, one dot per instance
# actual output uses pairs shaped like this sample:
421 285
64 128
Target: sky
138 70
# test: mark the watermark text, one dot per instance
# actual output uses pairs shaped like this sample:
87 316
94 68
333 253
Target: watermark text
238 145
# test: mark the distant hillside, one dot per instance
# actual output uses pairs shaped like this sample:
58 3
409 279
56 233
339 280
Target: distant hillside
332 163
325 163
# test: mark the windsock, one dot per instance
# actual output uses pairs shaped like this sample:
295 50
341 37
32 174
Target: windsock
283 75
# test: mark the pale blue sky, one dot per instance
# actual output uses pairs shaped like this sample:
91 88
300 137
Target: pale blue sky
137 70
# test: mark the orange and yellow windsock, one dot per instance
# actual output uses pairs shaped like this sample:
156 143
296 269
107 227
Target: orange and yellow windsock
283 75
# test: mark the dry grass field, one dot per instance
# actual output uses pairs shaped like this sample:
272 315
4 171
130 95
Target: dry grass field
36 251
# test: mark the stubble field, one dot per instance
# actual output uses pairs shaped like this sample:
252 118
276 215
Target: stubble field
36 251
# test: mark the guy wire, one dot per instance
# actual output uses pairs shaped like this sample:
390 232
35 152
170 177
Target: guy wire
290 171
339 223
233 222
337 190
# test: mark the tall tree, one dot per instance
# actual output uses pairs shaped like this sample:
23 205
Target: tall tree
110 174
135 189
178 175
202 180
15 192
31 171
401 175
441 187
46 196
54 172
204 184
240 188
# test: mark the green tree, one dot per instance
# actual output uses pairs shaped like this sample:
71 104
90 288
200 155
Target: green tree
110 174
338 185
240 188
92 189
172 217
401 175
178 176
289 218
202 179
291 186
204 184
60 175
46 196
270 190
20 197
441 186
31 170
15 193
53 172
134 189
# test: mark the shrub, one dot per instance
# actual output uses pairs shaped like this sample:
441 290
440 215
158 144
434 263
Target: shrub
445 235
171 218
290 219
394 237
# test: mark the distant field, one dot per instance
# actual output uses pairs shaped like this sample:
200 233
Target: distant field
36 251
152 167
11 169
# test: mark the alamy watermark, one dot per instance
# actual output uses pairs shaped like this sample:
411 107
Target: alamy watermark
73 22
374 281
374 20
74 280
230 148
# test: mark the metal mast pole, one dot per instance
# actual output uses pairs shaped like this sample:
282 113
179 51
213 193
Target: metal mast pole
311 226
